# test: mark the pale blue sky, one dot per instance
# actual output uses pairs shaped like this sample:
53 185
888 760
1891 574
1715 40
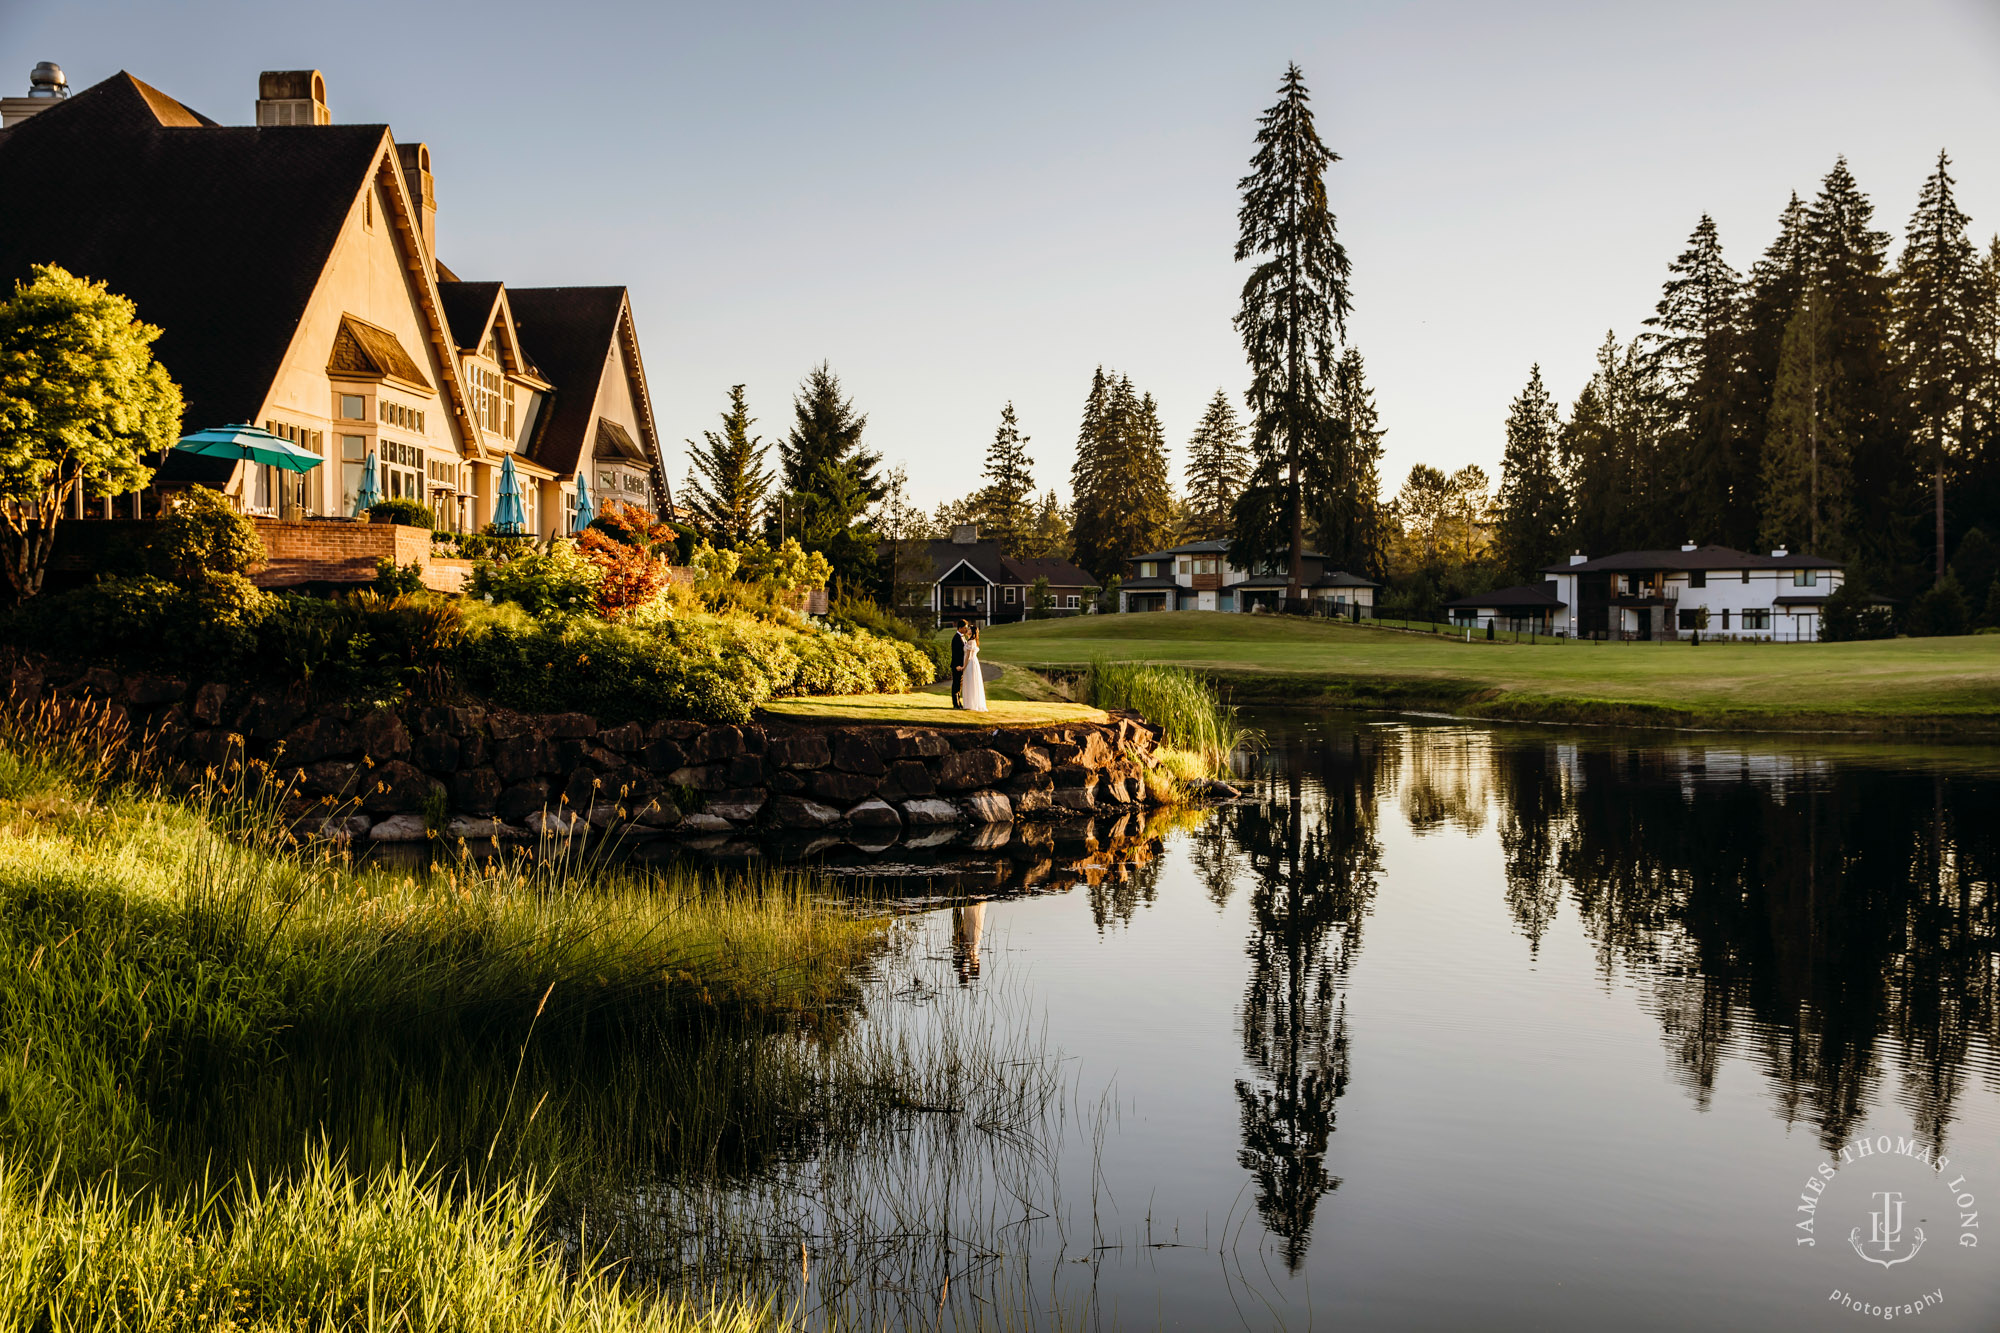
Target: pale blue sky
960 204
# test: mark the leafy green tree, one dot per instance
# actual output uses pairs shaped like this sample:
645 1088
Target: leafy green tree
1697 340
831 478
1293 313
1938 356
1006 503
1122 496
727 480
82 401
1442 519
1216 466
1533 511
1343 475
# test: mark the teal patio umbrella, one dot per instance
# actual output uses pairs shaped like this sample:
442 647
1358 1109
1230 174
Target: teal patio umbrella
508 516
248 442
370 493
585 511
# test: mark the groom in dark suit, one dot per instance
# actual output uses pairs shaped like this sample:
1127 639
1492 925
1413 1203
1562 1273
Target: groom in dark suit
958 663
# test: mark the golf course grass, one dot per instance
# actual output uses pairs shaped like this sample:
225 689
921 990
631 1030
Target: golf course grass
929 708
1909 685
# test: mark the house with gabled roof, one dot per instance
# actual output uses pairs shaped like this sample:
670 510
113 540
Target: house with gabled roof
292 267
968 577
1199 576
1714 591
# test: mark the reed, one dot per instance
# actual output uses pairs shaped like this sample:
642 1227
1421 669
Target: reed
1188 708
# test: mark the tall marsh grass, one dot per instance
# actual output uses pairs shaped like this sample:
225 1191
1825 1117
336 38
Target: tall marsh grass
1186 706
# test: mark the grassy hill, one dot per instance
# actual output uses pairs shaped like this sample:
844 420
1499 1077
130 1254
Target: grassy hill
1936 685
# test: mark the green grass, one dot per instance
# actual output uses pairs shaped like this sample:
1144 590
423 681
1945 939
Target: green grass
1903 684
925 708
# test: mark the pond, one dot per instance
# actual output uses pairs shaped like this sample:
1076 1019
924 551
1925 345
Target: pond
1451 1026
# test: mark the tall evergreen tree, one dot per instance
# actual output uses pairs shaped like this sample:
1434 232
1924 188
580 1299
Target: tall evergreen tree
727 480
1938 356
1123 500
1049 535
1777 280
1217 463
1533 512
1294 309
1979 471
1343 474
1611 455
1806 452
1006 502
1698 342
831 477
1851 289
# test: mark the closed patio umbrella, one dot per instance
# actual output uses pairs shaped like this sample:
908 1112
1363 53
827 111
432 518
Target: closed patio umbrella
585 511
370 493
509 518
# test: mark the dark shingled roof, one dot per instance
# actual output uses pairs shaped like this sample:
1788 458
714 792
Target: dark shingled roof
567 332
1533 596
218 234
1701 557
368 350
985 557
467 305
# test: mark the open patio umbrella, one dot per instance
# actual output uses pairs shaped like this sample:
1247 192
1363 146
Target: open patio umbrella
370 493
508 516
585 511
248 442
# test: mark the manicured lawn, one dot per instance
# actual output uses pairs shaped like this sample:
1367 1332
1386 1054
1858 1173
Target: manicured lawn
928 709
1882 685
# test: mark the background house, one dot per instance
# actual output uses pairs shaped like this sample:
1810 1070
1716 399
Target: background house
1720 592
1198 576
1525 608
963 577
292 266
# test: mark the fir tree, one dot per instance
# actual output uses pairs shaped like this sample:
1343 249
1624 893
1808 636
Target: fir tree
831 478
1777 280
1216 466
1938 356
1611 454
1698 343
1006 503
727 480
1048 535
1343 479
1122 496
1805 476
1533 510
1294 310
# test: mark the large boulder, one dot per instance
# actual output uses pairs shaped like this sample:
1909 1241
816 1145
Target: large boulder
989 807
802 749
476 790
399 828
967 769
796 812
522 799
517 758
931 812
915 745
739 807
381 735
908 777
874 813
840 788
396 788
856 753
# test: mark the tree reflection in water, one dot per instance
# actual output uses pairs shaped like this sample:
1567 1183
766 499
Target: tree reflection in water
1311 860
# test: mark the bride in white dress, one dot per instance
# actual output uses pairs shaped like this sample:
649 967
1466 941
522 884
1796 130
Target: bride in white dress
973 692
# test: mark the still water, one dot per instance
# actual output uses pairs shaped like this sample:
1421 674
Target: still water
1447 1026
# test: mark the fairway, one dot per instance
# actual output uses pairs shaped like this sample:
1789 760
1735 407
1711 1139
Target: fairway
927 709
1900 684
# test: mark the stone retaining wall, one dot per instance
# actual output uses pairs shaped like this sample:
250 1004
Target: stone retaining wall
380 772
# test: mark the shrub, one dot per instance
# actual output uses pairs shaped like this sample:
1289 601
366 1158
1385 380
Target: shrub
1850 615
557 581
1938 611
392 578
203 535
852 613
409 513
210 624
632 575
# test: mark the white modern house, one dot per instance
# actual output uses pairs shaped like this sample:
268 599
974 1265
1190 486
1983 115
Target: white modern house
1198 576
1713 590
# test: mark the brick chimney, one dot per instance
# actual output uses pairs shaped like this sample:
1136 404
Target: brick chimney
416 160
292 97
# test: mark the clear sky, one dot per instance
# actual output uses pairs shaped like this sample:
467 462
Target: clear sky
960 204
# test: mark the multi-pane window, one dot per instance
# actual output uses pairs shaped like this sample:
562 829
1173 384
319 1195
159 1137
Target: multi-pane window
1070 602
1011 591
401 470
1757 619
353 456
489 400
398 415
287 492
1805 578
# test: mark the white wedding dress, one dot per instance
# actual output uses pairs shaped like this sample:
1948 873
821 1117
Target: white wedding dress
972 693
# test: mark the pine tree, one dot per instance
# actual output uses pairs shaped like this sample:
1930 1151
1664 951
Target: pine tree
1777 280
1006 502
1119 484
1611 454
1850 285
1343 479
1805 477
727 480
1937 335
1533 512
831 478
1294 309
1048 536
1698 344
1216 466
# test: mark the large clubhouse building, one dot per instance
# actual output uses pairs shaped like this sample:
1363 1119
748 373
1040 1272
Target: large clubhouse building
292 265
1198 576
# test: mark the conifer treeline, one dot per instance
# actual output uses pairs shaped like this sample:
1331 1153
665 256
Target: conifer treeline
1830 402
